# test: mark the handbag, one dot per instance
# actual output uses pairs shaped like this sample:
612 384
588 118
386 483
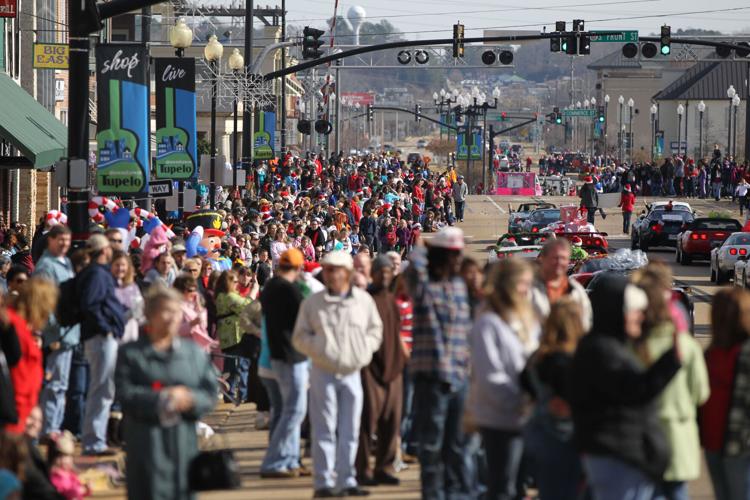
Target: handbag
214 470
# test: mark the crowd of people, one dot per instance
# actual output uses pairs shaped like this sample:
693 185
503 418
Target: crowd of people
323 299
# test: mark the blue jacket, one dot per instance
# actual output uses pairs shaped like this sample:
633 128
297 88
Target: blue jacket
102 312
57 270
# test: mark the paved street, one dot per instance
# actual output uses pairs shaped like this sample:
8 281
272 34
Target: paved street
486 219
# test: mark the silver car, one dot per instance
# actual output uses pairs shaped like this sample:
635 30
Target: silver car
724 257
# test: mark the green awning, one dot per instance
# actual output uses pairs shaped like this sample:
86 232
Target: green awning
26 124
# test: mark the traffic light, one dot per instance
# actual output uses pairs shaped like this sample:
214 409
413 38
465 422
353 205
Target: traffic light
554 44
558 116
666 40
503 116
418 113
600 114
570 45
370 113
458 40
311 43
584 45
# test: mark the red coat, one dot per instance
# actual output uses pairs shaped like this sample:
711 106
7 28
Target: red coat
627 201
27 374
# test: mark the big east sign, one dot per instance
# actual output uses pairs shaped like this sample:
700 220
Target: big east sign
51 56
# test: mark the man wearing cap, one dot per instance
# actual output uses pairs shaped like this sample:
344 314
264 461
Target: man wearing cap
460 191
179 254
627 202
101 326
439 363
340 329
280 300
589 198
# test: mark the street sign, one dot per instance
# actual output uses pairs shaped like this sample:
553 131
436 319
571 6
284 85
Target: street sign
586 113
8 8
160 189
622 37
51 56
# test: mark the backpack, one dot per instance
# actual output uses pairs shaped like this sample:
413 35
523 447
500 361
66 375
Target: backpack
68 312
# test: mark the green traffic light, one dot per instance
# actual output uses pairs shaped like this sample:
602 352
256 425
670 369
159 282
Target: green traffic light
564 46
665 50
558 120
601 119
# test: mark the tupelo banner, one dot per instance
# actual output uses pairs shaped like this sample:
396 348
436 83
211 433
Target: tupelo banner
176 136
122 137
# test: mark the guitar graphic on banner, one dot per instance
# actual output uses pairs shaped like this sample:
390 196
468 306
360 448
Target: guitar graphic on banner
263 150
119 170
172 158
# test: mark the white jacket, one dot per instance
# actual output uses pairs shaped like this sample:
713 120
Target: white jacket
541 305
338 334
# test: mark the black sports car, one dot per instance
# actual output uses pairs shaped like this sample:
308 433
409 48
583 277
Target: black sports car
659 228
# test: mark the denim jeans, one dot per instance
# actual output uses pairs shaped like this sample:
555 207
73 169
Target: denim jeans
716 190
274 400
335 416
438 414
730 476
460 210
101 352
283 449
238 368
613 479
626 222
504 450
672 490
78 384
554 463
52 397
408 444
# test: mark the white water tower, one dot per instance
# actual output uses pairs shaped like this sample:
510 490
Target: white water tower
356 15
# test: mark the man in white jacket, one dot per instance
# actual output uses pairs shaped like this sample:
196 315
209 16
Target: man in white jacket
339 329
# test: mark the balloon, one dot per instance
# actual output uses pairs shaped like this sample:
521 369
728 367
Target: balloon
119 218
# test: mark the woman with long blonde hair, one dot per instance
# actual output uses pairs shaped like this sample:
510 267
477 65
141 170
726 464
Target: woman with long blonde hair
503 337
36 300
548 436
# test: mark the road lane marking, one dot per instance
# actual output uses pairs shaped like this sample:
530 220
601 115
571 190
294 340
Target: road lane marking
501 209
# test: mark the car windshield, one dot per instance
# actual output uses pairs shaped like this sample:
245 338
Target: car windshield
672 216
739 239
716 225
546 215
675 208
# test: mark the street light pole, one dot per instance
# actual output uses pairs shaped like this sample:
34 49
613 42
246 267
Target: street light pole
213 52
653 110
680 111
730 94
236 62
621 101
606 123
701 110
180 37
735 106
631 104
593 129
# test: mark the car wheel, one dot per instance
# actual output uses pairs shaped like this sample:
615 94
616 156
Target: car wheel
677 256
721 277
644 247
633 243
686 259
713 273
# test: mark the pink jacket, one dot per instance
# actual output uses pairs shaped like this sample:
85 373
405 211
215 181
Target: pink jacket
67 484
197 332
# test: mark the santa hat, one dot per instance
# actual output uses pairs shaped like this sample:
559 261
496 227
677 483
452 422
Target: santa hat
577 241
588 179
627 187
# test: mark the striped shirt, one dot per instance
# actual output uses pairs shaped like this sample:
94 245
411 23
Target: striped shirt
441 323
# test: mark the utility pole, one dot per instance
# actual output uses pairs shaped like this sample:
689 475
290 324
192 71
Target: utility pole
146 39
282 145
247 111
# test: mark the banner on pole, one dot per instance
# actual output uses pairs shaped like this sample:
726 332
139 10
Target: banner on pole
122 138
265 132
176 134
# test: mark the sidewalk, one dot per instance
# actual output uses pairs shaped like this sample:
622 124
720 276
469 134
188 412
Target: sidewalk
235 429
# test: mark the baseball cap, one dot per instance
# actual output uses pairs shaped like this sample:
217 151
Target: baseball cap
338 258
292 258
97 242
449 238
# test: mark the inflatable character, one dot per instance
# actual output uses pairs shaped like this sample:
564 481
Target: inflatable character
205 238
